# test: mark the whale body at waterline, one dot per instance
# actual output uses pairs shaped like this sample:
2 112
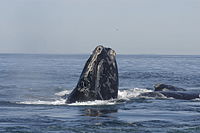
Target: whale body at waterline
99 81
170 91
99 78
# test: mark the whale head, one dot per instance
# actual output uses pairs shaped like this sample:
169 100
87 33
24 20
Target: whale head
99 78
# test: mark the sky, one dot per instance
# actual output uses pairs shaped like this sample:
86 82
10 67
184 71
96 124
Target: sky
78 26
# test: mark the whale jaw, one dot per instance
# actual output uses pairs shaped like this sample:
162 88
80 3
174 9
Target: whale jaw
99 78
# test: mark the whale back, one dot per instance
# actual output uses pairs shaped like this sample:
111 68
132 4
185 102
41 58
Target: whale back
164 87
99 78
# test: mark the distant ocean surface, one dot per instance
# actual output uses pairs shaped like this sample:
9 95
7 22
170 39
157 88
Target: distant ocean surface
31 86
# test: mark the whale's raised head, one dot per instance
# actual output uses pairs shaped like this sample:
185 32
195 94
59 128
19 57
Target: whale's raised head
99 78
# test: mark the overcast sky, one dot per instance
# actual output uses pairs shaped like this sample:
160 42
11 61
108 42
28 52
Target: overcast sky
77 26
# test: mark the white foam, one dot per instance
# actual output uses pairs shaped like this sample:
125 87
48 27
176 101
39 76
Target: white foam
62 93
39 102
96 102
196 99
131 93
122 94
62 102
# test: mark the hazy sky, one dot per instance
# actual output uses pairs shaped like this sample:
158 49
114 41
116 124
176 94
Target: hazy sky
77 26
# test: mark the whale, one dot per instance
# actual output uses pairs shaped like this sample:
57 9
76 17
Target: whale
169 91
99 81
99 78
165 87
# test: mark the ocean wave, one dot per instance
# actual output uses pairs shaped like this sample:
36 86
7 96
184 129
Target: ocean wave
40 102
6 103
122 95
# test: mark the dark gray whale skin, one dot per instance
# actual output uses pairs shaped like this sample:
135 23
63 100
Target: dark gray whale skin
170 91
99 78
184 95
164 87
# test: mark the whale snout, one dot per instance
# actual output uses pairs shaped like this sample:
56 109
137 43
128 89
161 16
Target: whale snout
104 52
99 78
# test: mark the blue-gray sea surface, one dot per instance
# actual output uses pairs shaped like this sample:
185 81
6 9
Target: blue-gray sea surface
31 87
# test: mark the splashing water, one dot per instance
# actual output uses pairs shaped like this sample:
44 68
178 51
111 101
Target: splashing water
62 93
122 95
56 102
131 93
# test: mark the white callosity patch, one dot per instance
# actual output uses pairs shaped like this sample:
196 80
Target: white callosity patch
94 58
97 84
112 55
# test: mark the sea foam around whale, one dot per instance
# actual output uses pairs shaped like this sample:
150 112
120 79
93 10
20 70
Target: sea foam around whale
126 94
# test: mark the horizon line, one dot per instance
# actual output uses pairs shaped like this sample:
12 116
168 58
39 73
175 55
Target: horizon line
19 53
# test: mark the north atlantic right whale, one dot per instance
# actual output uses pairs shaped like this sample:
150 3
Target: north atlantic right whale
165 87
99 81
170 91
99 78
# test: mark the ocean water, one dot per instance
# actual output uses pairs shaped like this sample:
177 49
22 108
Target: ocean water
31 87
